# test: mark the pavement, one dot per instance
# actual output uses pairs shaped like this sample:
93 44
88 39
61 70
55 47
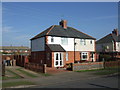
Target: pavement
71 79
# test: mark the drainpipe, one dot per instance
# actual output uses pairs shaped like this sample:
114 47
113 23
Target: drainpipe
74 49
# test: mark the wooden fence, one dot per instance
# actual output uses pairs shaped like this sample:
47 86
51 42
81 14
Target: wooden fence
21 60
112 63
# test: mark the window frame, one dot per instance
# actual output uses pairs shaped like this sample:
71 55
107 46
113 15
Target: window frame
82 41
52 39
84 53
64 41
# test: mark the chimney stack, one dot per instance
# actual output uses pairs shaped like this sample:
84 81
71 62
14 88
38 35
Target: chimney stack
63 23
115 31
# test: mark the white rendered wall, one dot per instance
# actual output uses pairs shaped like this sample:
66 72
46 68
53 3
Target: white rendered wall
118 46
87 47
57 40
70 46
38 44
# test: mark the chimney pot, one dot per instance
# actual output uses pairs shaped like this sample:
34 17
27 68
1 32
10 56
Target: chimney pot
63 23
115 31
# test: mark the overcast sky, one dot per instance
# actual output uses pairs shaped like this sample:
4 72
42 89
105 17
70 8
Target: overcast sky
22 21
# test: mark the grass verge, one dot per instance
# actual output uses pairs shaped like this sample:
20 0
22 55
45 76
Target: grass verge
18 83
27 73
105 71
108 71
16 76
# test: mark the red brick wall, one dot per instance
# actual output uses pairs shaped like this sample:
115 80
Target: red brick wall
38 57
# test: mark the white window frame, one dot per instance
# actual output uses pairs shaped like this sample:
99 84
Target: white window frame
64 41
66 56
60 59
84 53
52 39
82 42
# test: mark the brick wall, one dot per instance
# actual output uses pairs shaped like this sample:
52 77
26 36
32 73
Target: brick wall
38 57
36 67
87 66
93 65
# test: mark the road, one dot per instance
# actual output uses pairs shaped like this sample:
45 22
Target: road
80 81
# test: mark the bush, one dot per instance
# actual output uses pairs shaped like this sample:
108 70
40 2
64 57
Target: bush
106 57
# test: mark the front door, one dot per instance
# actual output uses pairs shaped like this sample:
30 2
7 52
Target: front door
58 59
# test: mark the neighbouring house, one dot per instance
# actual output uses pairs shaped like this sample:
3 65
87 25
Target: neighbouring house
12 50
110 44
60 45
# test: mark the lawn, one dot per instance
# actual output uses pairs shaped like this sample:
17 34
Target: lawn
105 71
16 76
27 73
18 83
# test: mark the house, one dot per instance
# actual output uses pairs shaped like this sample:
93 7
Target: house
11 50
109 43
60 45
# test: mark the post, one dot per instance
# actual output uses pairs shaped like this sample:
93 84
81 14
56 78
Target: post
72 68
44 68
14 62
3 69
103 62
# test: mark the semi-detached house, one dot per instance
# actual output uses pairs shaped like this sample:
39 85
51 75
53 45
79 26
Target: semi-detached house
109 43
60 45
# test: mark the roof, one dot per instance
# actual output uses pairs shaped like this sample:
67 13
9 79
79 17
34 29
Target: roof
108 39
14 47
58 30
56 47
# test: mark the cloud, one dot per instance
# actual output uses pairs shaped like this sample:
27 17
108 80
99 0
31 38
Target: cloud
23 37
8 29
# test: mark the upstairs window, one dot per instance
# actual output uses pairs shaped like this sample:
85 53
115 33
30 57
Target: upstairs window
82 42
64 41
52 39
90 41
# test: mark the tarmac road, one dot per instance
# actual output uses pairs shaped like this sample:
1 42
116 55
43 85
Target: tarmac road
107 82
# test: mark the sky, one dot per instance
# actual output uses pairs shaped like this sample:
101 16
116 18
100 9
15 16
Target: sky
23 20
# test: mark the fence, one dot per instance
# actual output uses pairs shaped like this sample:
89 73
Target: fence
21 60
36 67
94 65
112 63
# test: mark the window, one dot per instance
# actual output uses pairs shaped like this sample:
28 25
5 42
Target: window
82 42
84 55
66 56
91 42
60 57
52 39
57 56
64 41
